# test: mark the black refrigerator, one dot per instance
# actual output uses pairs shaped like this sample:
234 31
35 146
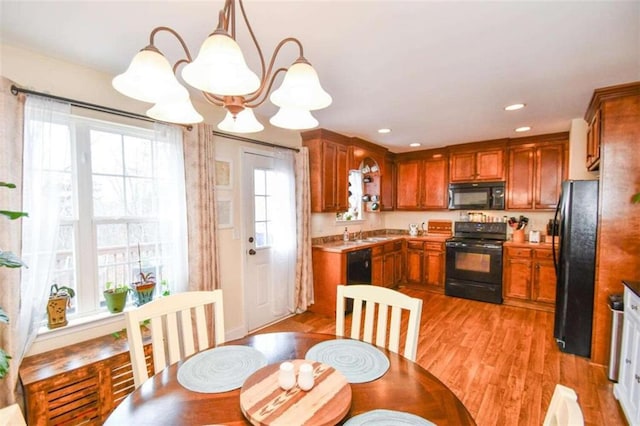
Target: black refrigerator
577 219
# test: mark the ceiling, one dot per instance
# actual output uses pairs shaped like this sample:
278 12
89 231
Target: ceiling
436 73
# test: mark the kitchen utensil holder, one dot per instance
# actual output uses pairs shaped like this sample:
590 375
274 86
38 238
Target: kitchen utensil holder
518 236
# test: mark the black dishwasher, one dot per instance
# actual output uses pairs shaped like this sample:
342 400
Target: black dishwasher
358 270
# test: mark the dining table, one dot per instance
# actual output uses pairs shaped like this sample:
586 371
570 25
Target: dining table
404 387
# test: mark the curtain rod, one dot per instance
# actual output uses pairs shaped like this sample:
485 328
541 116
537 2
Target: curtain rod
254 141
15 90
86 105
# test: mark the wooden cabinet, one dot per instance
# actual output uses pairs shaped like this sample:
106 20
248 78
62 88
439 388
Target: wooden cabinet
425 264
415 256
536 168
627 390
434 264
529 278
80 383
329 270
480 161
593 142
422 182
388 184
328 170
386 264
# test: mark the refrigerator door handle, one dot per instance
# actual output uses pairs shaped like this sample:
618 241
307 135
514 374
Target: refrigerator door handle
553 239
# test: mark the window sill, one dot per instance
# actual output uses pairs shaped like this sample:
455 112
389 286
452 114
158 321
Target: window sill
78 330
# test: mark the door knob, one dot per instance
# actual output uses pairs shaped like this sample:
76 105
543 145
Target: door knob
252 252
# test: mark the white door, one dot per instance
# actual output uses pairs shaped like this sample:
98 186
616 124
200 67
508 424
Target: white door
268 269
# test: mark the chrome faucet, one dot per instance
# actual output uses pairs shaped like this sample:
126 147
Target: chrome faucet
360 235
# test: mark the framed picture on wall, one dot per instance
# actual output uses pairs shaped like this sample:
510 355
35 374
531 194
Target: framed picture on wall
223 174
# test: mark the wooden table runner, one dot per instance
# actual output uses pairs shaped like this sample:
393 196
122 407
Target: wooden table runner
263 402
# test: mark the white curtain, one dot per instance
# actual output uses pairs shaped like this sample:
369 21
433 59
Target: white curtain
172 208
45 185
284 222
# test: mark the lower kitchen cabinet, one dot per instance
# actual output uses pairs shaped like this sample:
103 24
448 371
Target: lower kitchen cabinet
627 390
425 264
434 264
386 264
529 278
329 270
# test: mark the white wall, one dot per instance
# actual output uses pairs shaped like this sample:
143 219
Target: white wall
39 72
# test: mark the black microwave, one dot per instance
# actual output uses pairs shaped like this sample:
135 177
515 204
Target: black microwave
476 196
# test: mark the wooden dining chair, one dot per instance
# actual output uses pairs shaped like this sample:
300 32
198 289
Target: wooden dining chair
11 415
172 333
564 409
384 299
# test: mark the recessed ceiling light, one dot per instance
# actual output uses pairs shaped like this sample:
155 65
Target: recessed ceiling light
384 130
415 144
514 107
523 129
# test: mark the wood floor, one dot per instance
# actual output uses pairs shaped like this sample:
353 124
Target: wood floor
501 361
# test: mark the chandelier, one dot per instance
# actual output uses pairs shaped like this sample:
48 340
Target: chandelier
222 75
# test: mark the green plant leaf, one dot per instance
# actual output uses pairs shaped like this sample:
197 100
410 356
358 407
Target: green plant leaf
10 260
13 215
3 316
635 198
4 363
8 185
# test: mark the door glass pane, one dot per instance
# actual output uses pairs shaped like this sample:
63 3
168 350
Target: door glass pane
261 208
260 182
261 234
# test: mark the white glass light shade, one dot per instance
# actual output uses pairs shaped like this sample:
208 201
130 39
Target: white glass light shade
294 119
181 112
220 68
149 78
245 122
301 89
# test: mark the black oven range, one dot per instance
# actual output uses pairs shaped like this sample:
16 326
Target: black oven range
474 261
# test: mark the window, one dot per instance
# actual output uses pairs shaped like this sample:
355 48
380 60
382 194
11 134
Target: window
264 203
121 206
355 198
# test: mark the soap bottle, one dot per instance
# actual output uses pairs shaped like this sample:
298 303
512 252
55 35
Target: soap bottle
345 236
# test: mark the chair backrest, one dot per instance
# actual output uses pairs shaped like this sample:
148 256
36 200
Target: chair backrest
564 409
11 415
172 333
383 298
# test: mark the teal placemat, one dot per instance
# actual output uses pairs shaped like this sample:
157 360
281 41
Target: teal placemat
358 361
220 369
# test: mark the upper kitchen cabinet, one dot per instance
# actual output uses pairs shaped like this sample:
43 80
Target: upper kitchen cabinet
421 180
536 168
593 142
329 160
478 161
388 183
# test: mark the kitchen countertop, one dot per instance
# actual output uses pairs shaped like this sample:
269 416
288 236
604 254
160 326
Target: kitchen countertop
353 245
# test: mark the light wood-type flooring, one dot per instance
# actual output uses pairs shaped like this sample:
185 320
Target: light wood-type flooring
501 361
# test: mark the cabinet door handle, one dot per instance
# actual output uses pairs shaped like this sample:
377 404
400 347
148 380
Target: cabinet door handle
627 361
634 307
637 378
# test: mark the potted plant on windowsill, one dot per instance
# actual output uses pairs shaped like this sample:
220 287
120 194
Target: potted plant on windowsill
143 289
59 301
116 297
